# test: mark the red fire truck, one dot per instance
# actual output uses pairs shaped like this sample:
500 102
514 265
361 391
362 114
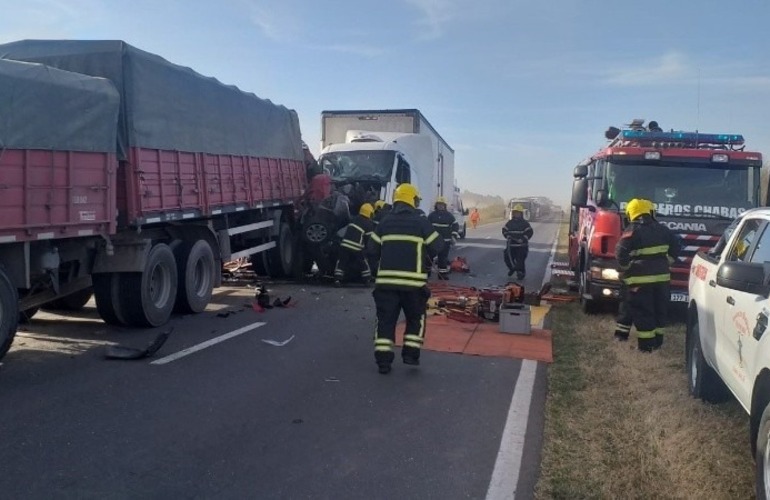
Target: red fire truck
698 182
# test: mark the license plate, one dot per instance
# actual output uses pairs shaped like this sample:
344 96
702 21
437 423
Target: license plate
679 297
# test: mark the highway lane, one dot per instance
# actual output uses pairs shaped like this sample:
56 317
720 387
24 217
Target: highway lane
246 419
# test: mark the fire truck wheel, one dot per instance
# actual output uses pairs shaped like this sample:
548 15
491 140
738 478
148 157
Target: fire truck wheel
72 302
9 312
703 381
588 306
148 298
107 294
195 269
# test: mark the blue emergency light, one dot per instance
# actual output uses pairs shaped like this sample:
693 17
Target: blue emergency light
685 137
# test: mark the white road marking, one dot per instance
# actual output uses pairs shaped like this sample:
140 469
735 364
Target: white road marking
208 343
505 476
480 245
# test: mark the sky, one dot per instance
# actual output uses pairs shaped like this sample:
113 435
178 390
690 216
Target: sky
522 90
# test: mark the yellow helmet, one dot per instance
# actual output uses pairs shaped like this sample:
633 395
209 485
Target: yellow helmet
441 199
379 204
366 210
638 207
518 208
407 193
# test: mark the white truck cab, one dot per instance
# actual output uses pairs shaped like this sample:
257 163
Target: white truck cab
728 342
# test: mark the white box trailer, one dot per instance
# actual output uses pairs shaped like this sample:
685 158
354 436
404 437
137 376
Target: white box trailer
380 129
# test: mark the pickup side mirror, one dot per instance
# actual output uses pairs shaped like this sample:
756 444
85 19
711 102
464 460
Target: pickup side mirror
749 277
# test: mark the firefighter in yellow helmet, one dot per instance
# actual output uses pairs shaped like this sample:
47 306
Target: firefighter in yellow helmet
397 244
643 253
517 233
447 227
352 259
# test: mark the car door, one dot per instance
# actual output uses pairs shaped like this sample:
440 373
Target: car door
732 312
748 310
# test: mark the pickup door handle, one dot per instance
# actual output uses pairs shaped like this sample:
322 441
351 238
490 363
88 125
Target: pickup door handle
712 283
730 300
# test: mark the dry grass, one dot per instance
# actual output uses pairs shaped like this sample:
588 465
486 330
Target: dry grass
621 424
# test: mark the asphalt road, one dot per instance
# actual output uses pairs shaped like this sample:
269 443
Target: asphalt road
244 418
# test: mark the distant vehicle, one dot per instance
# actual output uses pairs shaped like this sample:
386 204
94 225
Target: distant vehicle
529 206
728 343
135 178
698 183
375 150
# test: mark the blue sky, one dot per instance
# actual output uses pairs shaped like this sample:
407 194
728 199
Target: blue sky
522 90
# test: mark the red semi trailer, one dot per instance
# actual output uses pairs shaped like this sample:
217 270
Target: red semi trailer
132 178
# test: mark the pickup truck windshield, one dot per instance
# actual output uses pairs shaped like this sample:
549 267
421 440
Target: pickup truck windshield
685 189
361 165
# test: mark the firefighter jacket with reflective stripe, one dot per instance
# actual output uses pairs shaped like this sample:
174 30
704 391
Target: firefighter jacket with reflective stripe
517 232
445 224
399 243
357 234
645 251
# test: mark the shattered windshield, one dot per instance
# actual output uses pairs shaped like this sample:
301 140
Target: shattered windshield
370 165
685 189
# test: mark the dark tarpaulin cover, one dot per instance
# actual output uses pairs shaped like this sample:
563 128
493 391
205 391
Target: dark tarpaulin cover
166 106
47 108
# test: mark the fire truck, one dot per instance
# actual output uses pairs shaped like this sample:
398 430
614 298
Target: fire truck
698 182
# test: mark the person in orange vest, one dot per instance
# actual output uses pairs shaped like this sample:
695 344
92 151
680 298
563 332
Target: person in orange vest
475 217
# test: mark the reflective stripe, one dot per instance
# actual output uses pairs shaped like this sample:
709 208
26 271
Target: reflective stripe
402 274
383 348
404 237
622 328
653 278
351 245
415 345
357 227
413 338
394 281
376 238
656 250
432 237
645 334
435 224
383 341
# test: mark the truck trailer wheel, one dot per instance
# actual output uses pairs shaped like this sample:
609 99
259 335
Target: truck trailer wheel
107 294
703 381
762 456
9 312
148 298
280 260
195 269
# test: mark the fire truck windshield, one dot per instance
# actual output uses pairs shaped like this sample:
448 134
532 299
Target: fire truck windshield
685 189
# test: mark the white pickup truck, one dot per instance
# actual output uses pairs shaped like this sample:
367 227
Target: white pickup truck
728 343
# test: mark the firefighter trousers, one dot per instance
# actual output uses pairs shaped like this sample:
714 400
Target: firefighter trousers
389 304
623 321
443 258
648 304
515 256
350 264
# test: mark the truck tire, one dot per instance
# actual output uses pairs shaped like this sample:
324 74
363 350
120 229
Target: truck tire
588 306
9 312
148 298
107 295
280 260
702 381
72 302
195 269
762 456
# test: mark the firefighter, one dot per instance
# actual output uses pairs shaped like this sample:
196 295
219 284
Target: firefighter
381 209
398 244
517 232
644 253
447 227
352 258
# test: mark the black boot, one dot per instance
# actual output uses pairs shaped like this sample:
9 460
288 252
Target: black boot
383 368
647 345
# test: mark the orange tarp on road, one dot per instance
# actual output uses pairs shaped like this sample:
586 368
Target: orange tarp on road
483 339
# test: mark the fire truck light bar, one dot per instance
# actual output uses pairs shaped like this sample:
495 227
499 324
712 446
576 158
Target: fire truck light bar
687 137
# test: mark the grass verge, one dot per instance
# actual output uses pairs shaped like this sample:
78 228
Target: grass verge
621 424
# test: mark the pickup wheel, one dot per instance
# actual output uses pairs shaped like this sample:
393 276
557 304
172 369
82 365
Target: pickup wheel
703 381
464 232
762 456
